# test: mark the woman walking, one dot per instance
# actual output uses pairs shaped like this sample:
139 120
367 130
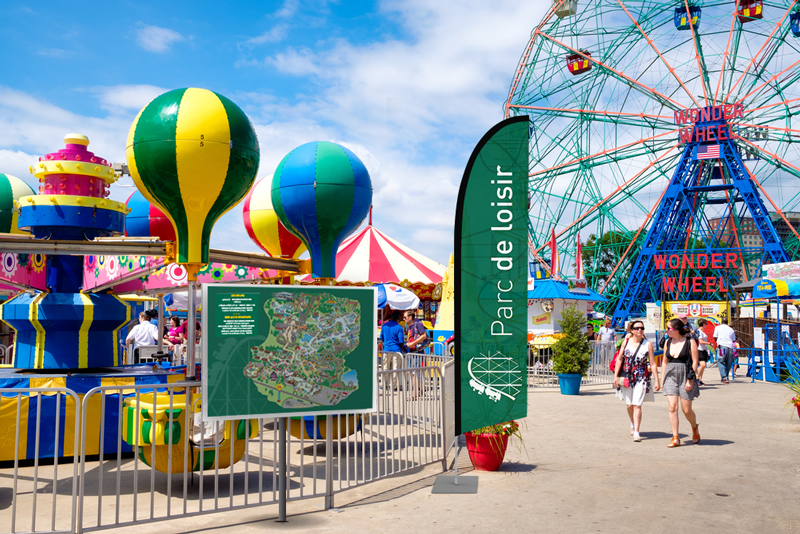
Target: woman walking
702 350
635 367
679 371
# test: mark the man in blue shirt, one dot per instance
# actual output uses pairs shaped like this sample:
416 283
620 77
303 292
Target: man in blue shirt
393 339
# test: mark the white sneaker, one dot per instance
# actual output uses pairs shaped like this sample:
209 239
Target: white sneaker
637 437
632 431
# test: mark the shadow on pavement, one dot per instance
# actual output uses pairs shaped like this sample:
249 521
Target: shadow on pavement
517 467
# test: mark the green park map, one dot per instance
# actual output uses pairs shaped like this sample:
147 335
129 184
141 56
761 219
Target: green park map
302 363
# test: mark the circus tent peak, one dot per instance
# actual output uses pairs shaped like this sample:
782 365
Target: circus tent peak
370 255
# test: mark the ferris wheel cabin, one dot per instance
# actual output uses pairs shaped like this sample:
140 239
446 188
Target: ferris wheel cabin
687 21
578 64
565 8
794 23
750 10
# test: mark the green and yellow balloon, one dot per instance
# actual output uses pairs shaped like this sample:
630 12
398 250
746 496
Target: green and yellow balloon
11 190
194 154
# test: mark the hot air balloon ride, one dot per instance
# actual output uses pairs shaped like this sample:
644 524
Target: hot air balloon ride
321 192
264 227
193 154
145 219
11 190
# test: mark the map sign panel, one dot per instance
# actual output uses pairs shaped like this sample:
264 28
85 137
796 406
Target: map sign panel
273 351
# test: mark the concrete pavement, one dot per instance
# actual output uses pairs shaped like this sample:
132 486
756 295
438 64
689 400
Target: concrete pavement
579 471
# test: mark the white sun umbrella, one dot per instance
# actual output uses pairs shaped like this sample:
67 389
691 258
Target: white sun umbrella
397 297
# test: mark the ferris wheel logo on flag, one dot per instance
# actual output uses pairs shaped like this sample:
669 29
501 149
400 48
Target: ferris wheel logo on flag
495 375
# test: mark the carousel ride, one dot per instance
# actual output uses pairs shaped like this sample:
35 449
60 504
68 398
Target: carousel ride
193 155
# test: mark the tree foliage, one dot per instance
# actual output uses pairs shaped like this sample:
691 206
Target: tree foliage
573 352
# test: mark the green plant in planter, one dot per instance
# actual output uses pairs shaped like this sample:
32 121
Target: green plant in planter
573 352
793 382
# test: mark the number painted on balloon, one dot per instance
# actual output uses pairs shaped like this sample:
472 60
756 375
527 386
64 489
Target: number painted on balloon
201 139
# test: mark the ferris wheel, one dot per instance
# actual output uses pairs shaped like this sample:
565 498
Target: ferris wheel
604 82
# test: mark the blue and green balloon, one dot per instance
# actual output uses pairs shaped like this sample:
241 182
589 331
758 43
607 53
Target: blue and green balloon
321 192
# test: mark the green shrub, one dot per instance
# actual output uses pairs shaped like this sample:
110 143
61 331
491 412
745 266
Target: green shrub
573 352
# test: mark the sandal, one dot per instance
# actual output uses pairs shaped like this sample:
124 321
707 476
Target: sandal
695 434
676 442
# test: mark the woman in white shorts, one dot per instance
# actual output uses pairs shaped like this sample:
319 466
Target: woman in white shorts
635 367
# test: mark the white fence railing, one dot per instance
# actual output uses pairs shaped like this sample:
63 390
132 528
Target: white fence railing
214 467
541 374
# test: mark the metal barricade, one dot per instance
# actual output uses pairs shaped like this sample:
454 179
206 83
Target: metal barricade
241 470
540 367
33 486
203 467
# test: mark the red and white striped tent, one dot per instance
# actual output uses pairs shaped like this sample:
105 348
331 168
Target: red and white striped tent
372 256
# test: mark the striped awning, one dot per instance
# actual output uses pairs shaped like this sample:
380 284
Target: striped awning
372 256
770 288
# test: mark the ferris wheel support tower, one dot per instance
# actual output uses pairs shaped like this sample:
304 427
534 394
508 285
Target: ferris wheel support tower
670 264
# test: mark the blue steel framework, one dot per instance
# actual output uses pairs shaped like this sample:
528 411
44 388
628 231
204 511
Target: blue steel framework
680 227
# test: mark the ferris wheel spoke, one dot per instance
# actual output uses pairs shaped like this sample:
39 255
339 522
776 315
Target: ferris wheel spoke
698 51
644 225
772 105
663 59
642 88
770 54
646 120
605 153
778 25
772 80
726 54
620 189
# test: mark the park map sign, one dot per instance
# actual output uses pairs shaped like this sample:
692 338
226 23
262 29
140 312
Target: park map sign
273 351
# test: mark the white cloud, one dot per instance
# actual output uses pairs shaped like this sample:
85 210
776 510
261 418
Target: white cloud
157 39
300 62
126 98
276 34
288 9
55 53
416 106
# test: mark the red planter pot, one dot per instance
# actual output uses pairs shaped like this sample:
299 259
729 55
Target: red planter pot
486 451
798 409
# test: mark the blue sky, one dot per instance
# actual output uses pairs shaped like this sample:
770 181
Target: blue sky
409 86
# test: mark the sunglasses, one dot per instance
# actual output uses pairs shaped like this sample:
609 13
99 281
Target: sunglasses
637 328
670 328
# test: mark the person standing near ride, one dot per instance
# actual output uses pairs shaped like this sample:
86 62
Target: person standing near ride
417 335
636 364
726 338
607 333
174 335
393 338
143 334
678 372
702 350
417 341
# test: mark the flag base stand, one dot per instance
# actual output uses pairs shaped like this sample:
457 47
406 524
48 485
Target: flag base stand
446 484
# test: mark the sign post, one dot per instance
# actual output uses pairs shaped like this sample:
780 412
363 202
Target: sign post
281 351
491 278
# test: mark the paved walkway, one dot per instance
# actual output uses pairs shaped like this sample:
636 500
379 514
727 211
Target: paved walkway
579 471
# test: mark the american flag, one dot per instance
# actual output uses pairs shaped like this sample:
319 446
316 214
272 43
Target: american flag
708 152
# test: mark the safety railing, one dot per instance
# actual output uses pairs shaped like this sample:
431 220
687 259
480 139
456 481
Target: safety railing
770 364
42 497
149 455
540 368
399 360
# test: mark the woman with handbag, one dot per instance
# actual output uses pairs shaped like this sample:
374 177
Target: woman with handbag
679 370
632 375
